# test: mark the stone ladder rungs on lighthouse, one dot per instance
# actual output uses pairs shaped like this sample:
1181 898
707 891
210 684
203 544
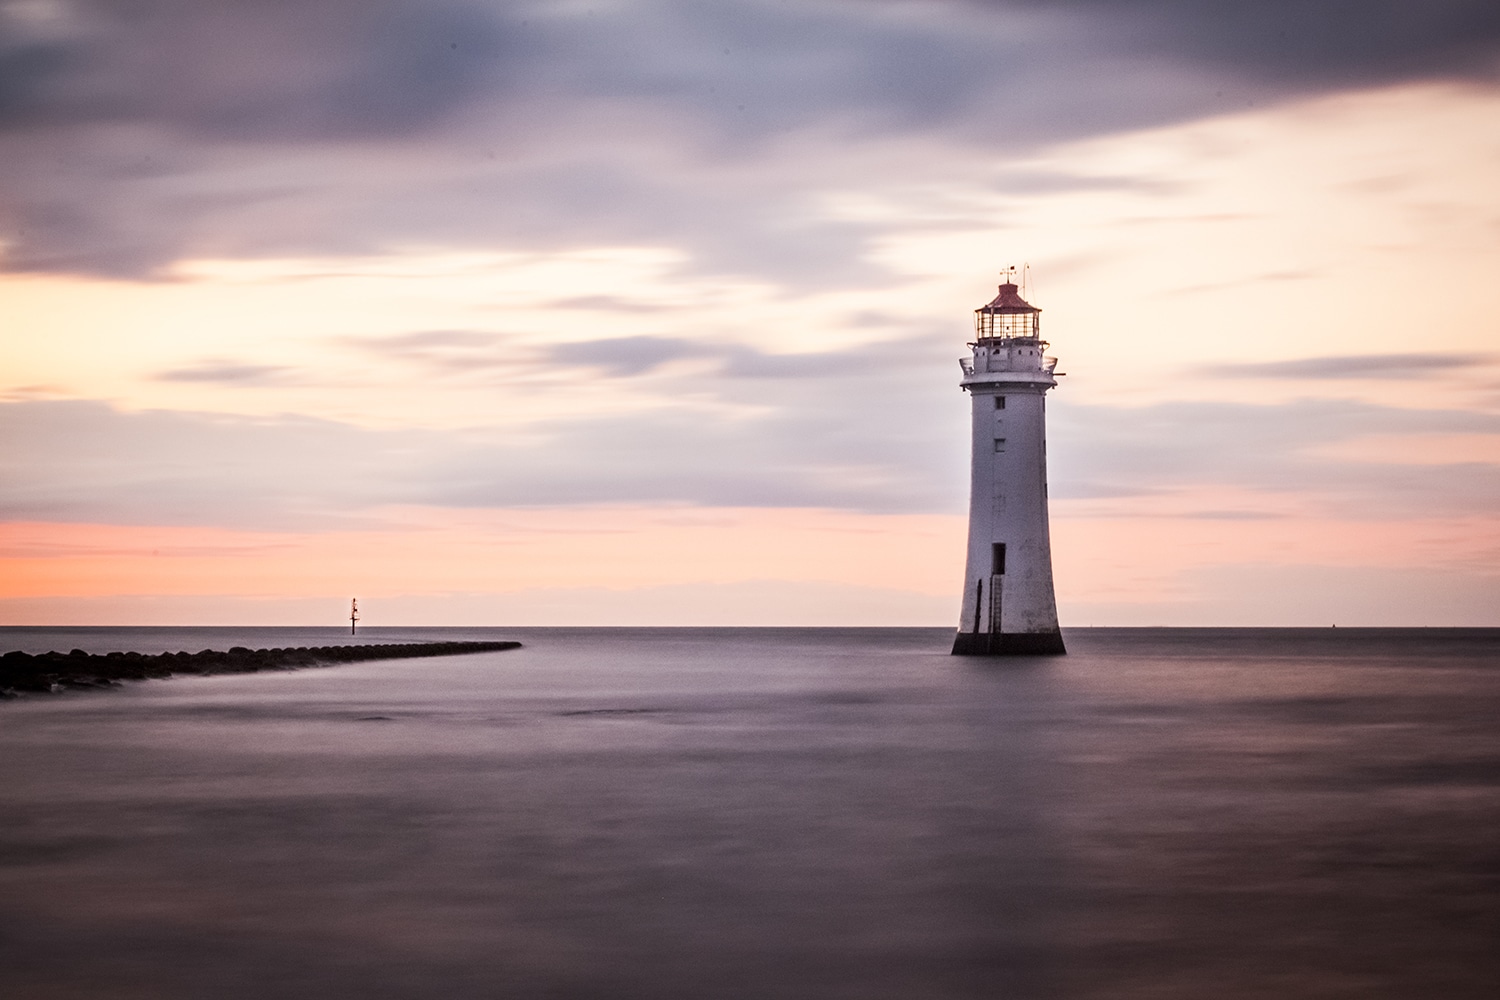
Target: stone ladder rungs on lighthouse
1009 607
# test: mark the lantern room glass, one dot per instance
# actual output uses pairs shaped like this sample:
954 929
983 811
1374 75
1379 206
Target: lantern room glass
1006 326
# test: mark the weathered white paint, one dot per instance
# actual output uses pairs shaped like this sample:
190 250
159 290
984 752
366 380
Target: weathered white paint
1008 499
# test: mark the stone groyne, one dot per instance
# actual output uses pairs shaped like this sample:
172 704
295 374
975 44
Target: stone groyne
51 672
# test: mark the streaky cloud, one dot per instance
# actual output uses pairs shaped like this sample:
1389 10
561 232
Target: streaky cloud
608 304
1302 43
813 442
339 127
625 356
1351 366
1280 450
228 373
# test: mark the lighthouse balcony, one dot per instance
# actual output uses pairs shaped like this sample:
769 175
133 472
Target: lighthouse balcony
1034 377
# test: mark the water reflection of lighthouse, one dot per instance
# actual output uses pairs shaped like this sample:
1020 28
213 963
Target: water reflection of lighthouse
1008 605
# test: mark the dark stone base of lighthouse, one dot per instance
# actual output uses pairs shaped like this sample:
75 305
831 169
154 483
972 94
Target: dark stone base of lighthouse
1008 644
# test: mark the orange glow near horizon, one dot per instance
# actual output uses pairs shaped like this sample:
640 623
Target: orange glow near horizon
417 550
1117 560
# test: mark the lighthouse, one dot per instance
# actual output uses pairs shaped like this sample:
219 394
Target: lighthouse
1009 608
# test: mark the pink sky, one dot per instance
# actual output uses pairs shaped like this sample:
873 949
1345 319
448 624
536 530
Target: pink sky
544 331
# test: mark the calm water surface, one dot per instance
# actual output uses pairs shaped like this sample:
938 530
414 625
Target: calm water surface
763 813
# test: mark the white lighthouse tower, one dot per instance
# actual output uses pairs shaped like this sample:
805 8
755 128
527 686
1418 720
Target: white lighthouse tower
1008 606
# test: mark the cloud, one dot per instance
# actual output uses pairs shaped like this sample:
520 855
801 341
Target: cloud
624 356
629 356
461 352
871 439
80 461
1274 450
361 69
607 304
134 136
251 71
1352 366
1308 43
228 373
835 430
431 339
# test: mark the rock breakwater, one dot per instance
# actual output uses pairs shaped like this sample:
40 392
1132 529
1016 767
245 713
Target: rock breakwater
53 672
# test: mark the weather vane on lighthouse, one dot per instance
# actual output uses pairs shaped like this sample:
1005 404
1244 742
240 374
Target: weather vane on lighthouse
1008 606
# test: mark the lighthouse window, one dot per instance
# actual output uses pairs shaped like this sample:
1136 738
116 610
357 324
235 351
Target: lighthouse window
999 402
999 444
997 555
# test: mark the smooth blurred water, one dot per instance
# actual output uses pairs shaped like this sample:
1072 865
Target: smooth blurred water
763 813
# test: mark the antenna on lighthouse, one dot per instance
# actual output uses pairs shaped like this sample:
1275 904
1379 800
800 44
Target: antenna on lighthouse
353 613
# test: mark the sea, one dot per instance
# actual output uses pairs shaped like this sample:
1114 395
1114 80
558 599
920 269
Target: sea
762 814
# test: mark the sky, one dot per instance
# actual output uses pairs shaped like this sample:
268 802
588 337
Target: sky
648 312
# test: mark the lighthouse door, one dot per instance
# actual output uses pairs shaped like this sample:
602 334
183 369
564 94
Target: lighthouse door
997 579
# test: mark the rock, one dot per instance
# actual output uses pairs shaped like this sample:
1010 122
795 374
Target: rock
53 672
